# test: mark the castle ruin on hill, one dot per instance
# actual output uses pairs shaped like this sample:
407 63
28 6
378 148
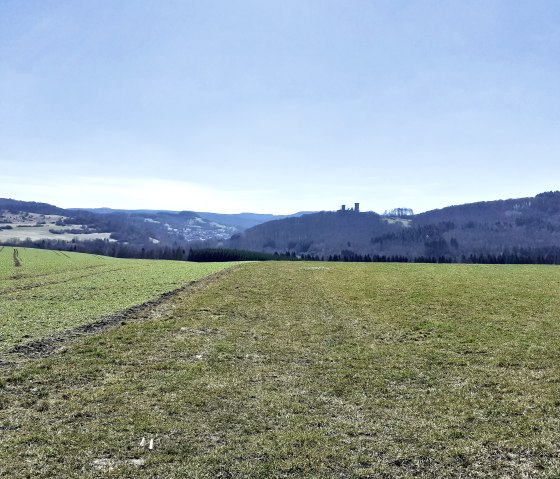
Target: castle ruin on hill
356 209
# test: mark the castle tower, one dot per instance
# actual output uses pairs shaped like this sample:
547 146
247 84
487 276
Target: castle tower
357 207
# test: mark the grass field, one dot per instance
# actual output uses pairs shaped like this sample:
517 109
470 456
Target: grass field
22 233
305 370
36 227
51 291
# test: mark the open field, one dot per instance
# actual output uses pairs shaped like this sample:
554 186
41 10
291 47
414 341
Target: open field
33 226
36 233
305 370
50 291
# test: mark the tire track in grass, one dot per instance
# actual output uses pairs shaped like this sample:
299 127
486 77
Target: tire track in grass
152 309
51 274
55 283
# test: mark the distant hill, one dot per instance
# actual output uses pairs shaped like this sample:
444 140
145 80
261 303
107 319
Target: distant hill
8 204
137 229
239 221
243 221
514 226
523 229
316 233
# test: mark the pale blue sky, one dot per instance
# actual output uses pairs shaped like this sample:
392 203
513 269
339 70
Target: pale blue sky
278 106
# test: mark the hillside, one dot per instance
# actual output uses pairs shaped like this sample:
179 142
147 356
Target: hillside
513 230
110 231
134 228
524 226
493 227
316 233
238 221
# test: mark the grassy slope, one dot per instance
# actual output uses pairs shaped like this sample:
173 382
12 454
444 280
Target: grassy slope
43 232
52 291
307 370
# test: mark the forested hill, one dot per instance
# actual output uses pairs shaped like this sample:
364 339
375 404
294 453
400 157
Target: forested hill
8 204
522 227
106 230
523 230
485 211
127 233
317 233
237 221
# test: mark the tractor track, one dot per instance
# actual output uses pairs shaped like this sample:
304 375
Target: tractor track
152 309
55 283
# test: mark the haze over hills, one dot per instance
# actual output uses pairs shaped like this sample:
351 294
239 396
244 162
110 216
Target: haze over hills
523 227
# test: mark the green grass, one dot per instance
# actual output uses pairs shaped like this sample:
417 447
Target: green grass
51 291
306 370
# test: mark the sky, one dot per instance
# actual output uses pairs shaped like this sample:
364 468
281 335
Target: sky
278 106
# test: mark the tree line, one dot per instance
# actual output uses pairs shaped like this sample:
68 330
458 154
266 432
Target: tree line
542 255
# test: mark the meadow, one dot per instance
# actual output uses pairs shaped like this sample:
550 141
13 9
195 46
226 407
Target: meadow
295 369
35 227
23 233
47 292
